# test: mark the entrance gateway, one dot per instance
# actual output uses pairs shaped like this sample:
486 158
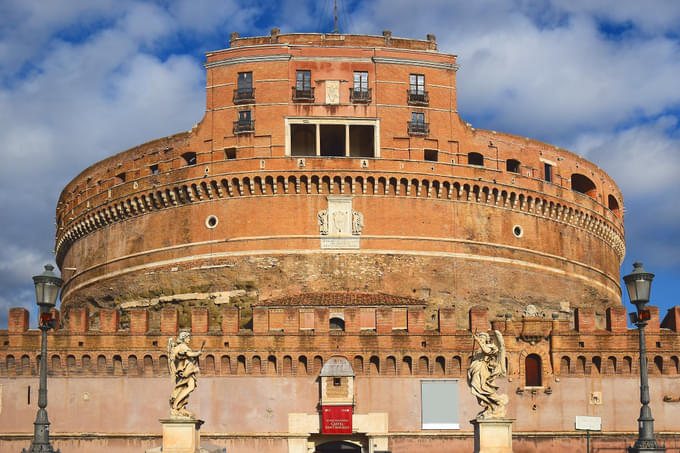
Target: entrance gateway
336 428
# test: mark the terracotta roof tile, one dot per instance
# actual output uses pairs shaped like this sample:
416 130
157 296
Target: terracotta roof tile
338 299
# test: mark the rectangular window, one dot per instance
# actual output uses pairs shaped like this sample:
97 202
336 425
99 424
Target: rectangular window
399 318
367 319
275 319
303 80
306 319
361 81
245 81
244 117
439 402
154 169
417 118
417 83
547 172
431 155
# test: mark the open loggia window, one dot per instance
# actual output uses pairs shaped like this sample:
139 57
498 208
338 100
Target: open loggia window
332 138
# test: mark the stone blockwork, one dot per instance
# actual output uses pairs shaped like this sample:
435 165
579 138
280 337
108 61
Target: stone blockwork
438 210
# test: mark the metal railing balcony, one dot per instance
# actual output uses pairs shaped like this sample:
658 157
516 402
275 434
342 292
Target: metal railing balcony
244 127
303 95
244 96
418 128
418 97
360 96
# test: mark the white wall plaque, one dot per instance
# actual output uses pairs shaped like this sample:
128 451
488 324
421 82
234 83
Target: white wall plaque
584 423
332 91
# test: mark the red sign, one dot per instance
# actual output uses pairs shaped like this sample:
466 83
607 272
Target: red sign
336 419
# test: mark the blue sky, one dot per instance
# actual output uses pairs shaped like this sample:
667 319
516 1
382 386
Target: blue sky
81 80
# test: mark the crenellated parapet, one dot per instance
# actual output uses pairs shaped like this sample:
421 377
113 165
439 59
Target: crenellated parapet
379 339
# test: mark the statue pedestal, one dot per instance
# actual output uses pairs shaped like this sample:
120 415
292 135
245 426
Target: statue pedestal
493 435
182 435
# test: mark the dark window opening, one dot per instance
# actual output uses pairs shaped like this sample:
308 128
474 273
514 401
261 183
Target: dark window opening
230 153
431 155
475 159
245 123
416 91
337 382
512 166
244 92
613 204
154 169
189 159
583 184
338 447
302 140
303 90
547 172
332 140
658 361
532 371
336 324
120 178
361 141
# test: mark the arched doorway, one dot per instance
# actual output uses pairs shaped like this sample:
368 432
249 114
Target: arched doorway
338 447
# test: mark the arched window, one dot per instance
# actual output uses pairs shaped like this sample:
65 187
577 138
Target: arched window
374 366
336 323
658 361
565 364
189 159
583 184
440 366
613 205
597 365
475 159
627 364
532 371
512 165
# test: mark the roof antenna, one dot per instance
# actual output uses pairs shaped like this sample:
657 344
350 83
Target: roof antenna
335 18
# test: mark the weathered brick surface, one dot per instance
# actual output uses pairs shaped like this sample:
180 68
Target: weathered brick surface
672 319
18 320
447 320
109 320
199 319
585 320
139 320
617 319
478 319
230 320
169 321
79 320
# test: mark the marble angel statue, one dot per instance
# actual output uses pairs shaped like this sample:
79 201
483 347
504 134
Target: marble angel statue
183 367
488 363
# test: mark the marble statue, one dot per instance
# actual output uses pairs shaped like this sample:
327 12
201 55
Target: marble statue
488 363
357 222
183 366
322 220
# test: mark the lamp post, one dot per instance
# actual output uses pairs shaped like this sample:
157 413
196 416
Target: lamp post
638 285
47 287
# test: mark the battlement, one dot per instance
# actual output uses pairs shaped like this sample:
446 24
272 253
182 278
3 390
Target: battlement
380 340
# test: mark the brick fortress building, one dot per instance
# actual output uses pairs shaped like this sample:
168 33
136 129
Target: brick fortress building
335 231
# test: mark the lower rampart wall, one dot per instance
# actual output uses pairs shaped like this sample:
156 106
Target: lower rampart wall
248 414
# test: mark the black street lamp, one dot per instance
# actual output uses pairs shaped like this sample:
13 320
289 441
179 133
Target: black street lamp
639 285
47 287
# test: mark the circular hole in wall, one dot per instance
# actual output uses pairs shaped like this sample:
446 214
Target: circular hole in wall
211 221
517 231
